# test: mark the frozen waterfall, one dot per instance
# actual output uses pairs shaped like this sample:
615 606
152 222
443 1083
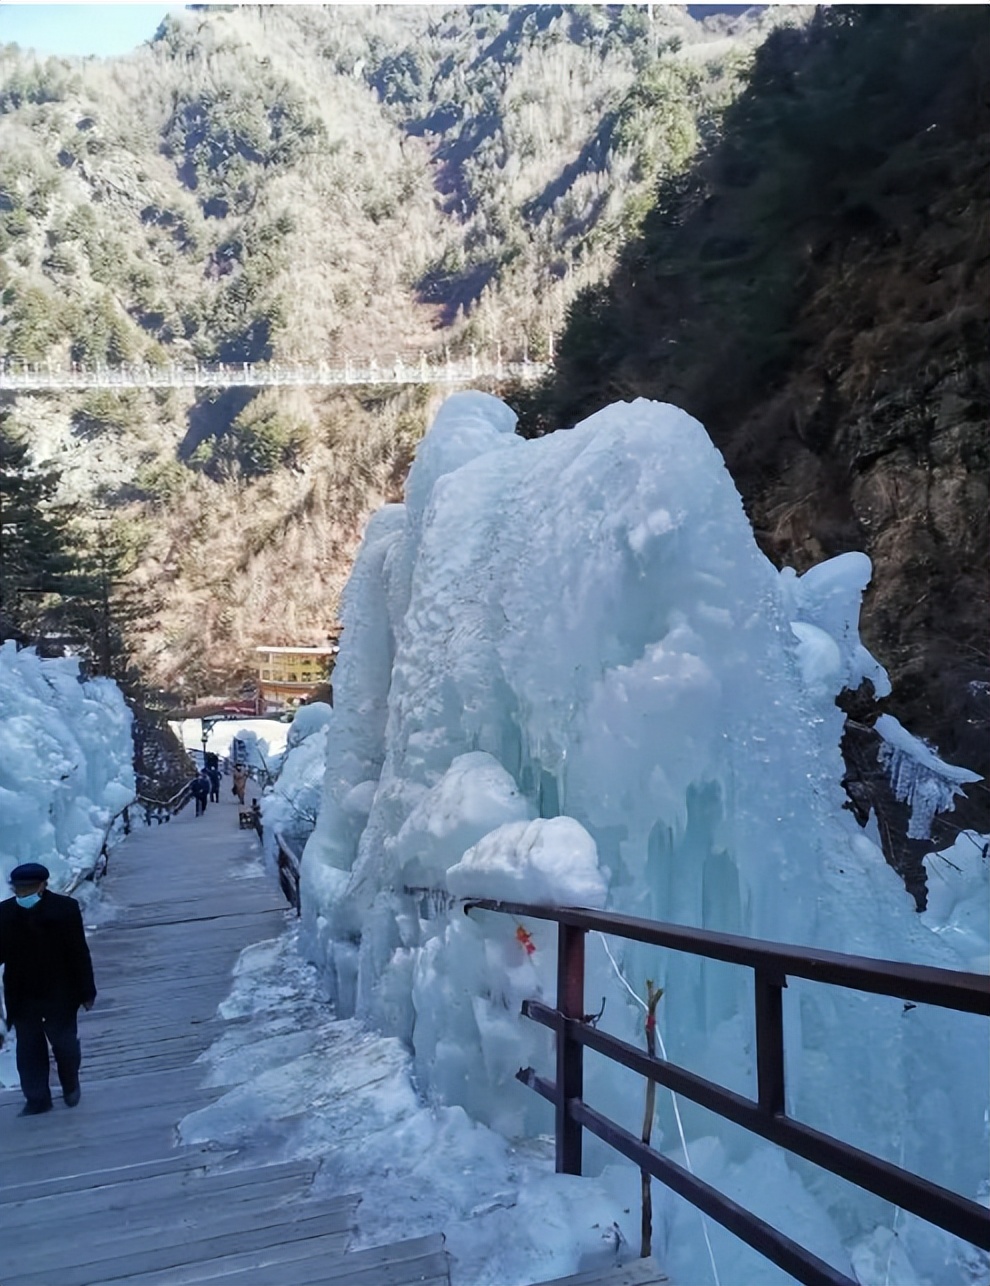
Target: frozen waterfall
569 674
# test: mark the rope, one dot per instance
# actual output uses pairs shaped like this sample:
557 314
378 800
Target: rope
673 1097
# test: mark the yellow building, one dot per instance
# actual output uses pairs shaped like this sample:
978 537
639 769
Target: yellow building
288 674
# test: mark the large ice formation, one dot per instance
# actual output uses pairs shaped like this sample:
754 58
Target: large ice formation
568 673
66 763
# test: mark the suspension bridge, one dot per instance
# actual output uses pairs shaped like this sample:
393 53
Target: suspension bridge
422 369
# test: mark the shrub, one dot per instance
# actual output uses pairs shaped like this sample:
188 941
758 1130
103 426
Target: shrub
104 411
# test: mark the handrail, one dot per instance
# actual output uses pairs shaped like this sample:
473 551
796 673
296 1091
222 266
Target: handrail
172 806
99 867
96 871
421 368
772 963
289 870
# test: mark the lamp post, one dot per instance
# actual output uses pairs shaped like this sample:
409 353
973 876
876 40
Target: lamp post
207 723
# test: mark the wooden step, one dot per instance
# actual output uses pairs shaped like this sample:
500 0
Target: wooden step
638 1272
102 1195
176 1239
190 1160
311 1262
63 1127
194 1185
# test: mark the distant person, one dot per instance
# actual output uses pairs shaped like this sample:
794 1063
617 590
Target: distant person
240 782
215 776
48 974
201 791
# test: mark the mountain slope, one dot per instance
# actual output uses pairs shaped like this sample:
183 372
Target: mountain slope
305 182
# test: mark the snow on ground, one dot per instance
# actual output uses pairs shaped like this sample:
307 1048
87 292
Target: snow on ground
306 1085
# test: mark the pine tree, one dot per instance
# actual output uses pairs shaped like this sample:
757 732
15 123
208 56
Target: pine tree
37 539
99 610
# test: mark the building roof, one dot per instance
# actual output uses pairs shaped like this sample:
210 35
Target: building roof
328 650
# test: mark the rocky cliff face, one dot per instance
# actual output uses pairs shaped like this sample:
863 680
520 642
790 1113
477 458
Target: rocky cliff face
818 297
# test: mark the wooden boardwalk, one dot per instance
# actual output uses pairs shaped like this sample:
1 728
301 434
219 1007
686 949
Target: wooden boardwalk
101 1195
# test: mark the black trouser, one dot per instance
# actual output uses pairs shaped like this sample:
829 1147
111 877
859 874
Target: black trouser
55 1026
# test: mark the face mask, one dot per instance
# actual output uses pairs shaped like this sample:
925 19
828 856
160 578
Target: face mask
31 900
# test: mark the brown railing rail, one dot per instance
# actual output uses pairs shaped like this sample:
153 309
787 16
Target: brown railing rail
772 963
289 868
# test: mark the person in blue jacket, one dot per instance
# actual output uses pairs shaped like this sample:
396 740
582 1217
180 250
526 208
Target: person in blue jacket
201 791
48 974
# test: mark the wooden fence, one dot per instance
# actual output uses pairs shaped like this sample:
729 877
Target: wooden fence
771 963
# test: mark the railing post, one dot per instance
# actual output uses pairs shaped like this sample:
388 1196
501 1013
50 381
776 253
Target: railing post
769 993
570 1054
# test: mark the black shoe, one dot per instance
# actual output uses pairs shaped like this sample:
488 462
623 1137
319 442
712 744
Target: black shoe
71 1097
35 1107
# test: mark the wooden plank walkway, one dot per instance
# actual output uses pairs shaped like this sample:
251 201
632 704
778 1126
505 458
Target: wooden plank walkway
101 1195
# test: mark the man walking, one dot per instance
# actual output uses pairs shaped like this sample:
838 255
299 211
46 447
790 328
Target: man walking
48 974
201 791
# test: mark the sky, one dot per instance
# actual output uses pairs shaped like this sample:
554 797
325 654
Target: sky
80 29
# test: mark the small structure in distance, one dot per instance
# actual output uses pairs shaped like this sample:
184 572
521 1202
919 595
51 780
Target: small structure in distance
287 675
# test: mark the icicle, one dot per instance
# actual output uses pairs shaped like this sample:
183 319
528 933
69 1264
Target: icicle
918 777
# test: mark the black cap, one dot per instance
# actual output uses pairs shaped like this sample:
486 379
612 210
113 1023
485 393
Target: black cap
29 873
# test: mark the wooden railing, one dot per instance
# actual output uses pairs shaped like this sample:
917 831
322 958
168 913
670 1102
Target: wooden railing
289 868
772 964
151 807
98 869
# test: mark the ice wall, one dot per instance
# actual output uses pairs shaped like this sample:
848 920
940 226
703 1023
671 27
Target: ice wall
66 763
582 628
291 807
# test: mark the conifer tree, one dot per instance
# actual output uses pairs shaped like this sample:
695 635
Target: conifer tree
37 559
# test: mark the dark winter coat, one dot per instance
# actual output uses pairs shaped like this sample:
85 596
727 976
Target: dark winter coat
201 786
43 949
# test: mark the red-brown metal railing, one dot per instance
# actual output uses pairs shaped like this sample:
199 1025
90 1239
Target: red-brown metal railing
772 964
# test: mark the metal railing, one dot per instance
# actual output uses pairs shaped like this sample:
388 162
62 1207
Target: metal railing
772 964
27 377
